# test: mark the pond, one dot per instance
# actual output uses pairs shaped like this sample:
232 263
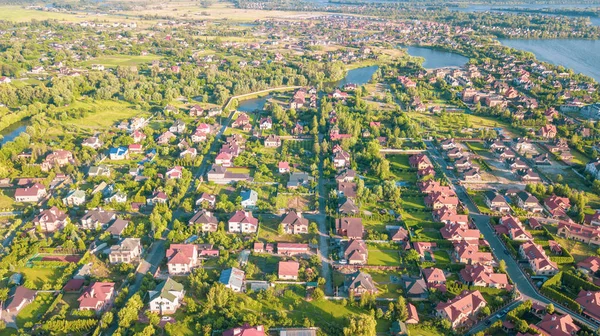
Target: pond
12 131
250 105
358 76
436 58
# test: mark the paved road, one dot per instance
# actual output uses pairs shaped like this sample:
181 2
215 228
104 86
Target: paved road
482 325
482 222
323 232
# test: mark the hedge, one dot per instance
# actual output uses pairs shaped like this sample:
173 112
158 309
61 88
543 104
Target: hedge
562 259
561 298
509 246
576 282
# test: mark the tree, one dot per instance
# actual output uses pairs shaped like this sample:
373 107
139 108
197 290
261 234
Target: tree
318 294
502 266
129 313
485 311
361 325
281 229
402 309
550 308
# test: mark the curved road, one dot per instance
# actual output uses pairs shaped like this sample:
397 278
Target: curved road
482 222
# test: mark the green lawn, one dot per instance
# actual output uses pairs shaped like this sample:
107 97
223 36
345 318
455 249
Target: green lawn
116 60
442 258
34 311
40 276
104 113
383 257
268 231
423 330
266 263
398 161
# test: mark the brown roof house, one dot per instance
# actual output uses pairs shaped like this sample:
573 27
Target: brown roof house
206 220
462 308
294 223
356 252
127 250
350 227
50 220
22 297
360 283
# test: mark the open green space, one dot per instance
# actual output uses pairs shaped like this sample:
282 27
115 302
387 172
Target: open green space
103 113
383 257
34 311
121 60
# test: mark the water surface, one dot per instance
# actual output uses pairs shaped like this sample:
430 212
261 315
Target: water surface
436 58
582 56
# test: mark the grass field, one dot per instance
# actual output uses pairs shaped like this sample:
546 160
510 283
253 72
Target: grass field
108 113
218 11
383 257
39 276
34 311
116 60
6 202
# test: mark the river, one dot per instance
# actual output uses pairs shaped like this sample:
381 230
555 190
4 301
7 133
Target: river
497 8
582 56
12 131
436 58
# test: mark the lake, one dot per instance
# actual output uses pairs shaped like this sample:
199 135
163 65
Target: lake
582 56
12 131
358 76
436 58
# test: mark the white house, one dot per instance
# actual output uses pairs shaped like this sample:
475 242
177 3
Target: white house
167 297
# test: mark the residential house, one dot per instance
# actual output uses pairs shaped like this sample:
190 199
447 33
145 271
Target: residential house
283 167
348 208
291 249
590 265
356 252
233 278
243 222
249 199
127 250
206 220
119 153
74 198
299 179
583 233
435 278
462 308
288 270
496 202
350 227
98 297
166 297
158 197
341 159
539 262
92 142
178 127
246 330
174 173
100 170
58 158
272 141
50 220
360 283
181 258
34 193
208 198
117 227
97 218
558 325
21 297
483 276
528 202
548 131
294 223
